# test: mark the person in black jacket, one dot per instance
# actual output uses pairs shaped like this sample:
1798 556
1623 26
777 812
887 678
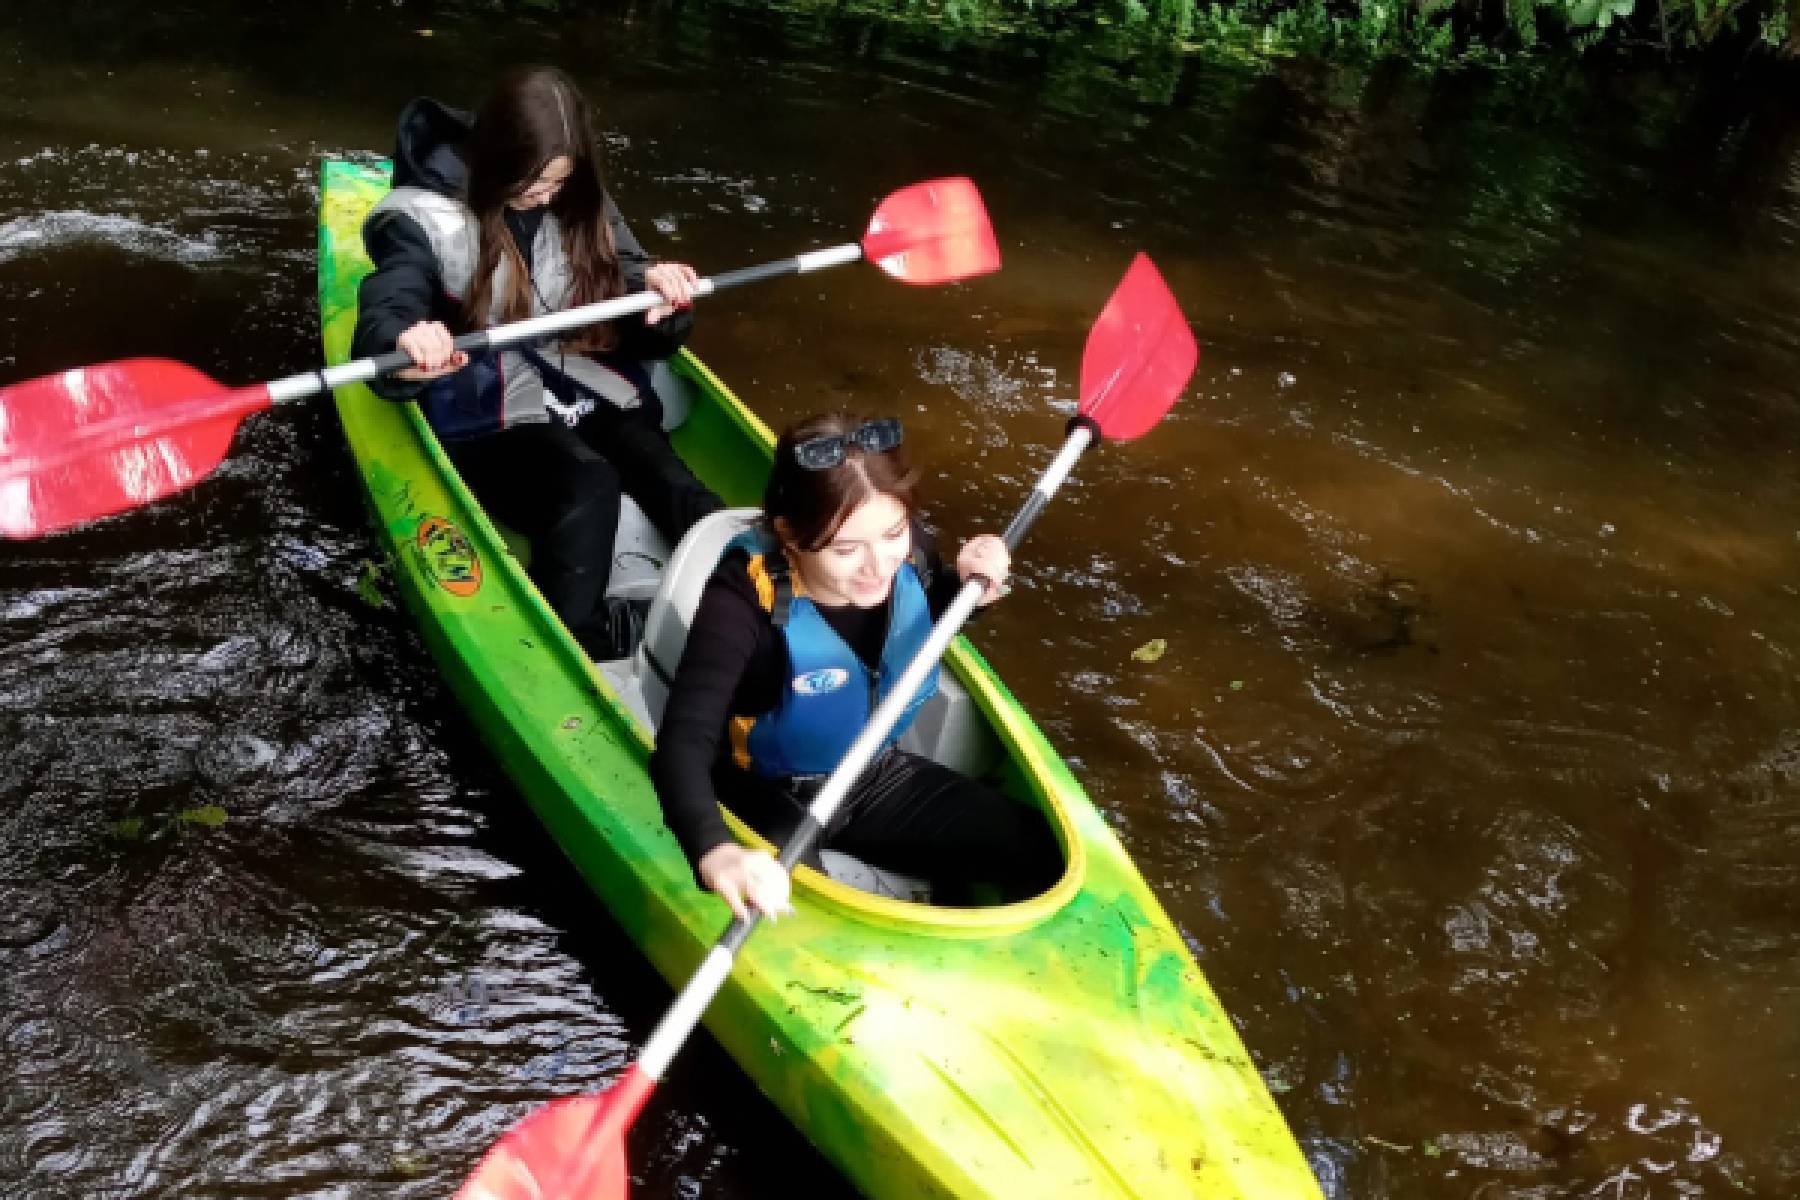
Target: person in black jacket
502 217
803 627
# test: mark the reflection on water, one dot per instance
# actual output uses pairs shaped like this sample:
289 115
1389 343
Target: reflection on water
1469 769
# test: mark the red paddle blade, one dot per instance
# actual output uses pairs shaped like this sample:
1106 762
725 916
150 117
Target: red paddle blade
571 1149
98 440
933 232
1139 356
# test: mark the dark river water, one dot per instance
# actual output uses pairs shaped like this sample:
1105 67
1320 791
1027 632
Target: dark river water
1472 767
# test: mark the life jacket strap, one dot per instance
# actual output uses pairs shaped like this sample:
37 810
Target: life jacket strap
784 597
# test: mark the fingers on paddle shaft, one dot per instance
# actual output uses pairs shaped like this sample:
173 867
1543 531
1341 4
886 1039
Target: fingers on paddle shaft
87 443
1140 355
933 232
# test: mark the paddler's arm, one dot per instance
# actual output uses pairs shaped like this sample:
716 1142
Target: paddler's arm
730 639
640 338
942 585
985 555
395 296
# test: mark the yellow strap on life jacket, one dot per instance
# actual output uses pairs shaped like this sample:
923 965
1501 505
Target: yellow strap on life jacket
740 741
758 570
740 727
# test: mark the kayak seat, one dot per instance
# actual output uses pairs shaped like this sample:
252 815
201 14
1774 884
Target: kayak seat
674 390
676 600
640 555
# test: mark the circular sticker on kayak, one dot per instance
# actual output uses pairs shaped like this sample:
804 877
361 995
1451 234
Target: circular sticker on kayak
449 557
817 683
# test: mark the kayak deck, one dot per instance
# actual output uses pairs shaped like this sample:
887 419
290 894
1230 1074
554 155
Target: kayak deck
1067 1045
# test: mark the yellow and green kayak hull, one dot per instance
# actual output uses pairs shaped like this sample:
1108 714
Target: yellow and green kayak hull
1063 1047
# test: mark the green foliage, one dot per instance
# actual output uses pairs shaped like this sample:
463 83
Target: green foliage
1774 28
1430 33
1583 13
1521 19
138 828
372 584
1150 651
206 816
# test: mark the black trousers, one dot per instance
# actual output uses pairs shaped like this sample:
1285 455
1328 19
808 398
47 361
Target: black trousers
910 814
561 487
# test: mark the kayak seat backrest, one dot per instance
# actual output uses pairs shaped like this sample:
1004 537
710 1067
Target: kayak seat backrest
948 729
639 553
675 392
678 597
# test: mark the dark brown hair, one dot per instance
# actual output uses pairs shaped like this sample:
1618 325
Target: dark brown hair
815 504
533 115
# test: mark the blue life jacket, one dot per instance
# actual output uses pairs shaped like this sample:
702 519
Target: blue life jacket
829 694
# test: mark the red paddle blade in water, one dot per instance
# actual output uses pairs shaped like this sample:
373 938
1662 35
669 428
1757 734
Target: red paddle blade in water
933 232
98 440
1140 354
571 1149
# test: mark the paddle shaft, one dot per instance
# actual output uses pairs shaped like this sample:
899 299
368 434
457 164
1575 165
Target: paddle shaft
240 402
311 383
679 1022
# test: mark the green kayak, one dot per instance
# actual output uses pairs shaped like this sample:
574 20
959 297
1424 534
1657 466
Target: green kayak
1065 1046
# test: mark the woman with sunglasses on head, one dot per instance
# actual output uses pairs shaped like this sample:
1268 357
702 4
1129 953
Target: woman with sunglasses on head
501 217
803 626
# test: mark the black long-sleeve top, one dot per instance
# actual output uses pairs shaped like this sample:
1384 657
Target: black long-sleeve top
735 665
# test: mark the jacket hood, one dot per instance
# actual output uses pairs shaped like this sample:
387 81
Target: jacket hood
426 147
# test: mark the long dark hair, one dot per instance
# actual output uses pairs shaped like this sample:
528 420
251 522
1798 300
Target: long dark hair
813 505
533 115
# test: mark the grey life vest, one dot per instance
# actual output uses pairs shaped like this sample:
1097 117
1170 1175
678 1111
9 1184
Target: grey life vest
455 243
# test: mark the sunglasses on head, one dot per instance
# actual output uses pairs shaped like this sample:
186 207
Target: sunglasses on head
828 450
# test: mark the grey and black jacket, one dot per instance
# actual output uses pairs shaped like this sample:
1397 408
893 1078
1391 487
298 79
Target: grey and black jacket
423 241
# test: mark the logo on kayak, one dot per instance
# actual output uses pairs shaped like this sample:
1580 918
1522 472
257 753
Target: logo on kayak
449 557
818 683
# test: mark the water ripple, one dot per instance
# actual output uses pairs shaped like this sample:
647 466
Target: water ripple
51 231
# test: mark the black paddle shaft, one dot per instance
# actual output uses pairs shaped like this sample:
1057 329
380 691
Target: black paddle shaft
1028 513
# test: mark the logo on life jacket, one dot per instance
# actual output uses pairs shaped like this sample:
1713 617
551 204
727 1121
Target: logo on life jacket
448 557
818 683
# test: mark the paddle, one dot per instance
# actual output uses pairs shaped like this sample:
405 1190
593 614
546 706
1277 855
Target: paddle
94 441
1140 354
